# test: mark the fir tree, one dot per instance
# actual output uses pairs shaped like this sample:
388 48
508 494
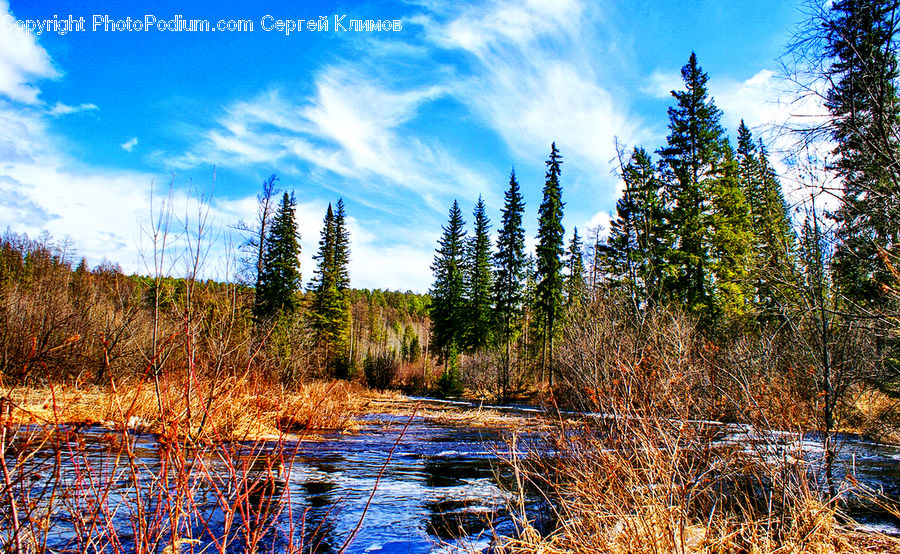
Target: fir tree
280 280
730 241
330 303
691 159
774 242
324 257
509 276
448 291
341 248
864 105
478 282
549 261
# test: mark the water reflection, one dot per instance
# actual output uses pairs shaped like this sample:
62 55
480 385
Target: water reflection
440 484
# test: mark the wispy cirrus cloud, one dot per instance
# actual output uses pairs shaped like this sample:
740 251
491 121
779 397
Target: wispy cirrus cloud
350 126
535 77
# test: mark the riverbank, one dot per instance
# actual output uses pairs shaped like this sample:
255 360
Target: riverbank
227 410
244 409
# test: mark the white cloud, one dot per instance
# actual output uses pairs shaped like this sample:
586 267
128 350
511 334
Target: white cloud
22 60
129 144
660 84
480 29
350 126
59 109
536 80
757 100
600 222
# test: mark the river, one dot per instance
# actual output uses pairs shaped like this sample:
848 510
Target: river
416 485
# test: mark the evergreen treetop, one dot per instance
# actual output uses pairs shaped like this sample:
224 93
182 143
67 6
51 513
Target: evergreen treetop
280 281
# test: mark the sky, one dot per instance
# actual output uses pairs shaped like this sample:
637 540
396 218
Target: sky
98 123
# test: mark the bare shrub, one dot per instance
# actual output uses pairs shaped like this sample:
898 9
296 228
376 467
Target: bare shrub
654 362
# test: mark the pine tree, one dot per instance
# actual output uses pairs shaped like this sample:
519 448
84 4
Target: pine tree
509 277
277 293
448 291
691 159
549 261
478 282
864 105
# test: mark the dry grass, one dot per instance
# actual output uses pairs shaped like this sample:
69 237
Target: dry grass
650 485
231 409
872 412
446 413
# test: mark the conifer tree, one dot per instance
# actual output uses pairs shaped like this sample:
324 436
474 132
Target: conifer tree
865 109
731 240
341 247
448 291
575 285
691 159
509 276
324 257
478 282
330 303
279 285
779 244
634 256
774 241
549 277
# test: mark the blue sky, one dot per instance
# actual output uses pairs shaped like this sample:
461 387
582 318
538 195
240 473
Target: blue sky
398 123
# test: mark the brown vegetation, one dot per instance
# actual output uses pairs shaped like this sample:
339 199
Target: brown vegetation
242 408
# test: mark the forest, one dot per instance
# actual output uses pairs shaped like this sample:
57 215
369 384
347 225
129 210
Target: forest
722 293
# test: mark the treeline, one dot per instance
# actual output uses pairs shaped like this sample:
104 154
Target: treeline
702 261
705 227
344 331
64 322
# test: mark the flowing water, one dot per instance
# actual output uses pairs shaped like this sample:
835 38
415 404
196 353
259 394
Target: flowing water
429 487
426 488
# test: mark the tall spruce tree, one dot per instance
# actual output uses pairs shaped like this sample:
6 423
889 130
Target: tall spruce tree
324 257
341 247
509 277
691 160
549 289
330 302
478 282
779 241
730 241
863 100
277 293
448 317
